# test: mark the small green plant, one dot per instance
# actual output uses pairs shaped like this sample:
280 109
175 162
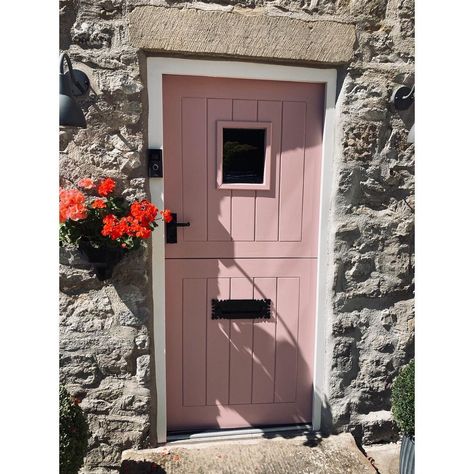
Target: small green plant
403 399
73 433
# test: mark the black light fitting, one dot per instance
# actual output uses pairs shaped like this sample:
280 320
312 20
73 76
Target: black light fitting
72 84
403 98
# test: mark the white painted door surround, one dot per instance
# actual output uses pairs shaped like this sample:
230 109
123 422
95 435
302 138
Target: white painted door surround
156 68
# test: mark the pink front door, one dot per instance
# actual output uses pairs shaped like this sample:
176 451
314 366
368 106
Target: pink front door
242 165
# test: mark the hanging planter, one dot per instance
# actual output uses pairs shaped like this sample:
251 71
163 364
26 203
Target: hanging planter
104 227
102 259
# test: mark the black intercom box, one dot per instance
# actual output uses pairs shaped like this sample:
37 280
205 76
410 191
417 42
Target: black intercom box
155 163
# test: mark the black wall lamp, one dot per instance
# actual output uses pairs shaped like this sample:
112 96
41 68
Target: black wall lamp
72 84
403 98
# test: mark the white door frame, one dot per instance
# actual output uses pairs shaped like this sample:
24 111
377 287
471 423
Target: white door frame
156 67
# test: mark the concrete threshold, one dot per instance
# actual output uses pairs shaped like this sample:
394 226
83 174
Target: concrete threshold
236 434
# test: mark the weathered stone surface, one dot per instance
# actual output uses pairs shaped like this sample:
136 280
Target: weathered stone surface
110 430
88 312
143 369
142 341
298 454
378 426
386 457
105 336
241 35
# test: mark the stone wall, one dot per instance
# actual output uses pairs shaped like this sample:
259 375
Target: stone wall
106 346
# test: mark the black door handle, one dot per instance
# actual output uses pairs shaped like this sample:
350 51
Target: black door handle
171 229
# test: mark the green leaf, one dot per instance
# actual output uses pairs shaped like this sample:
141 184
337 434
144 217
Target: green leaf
73 434
403 399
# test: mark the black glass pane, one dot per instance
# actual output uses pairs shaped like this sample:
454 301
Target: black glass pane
243 155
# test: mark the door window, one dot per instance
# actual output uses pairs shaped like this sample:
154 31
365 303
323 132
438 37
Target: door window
243 155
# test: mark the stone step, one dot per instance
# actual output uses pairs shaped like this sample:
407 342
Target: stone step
271 454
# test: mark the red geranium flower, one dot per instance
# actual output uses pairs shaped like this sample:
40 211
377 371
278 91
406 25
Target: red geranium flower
98 204
106 186
143 232
71 205
166 214
143 211
125 224
111 227
86 183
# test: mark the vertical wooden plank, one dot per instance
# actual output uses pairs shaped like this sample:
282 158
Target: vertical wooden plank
219 200
263 371
244 110
172 161
286 366
266 202
243 202
312 173
241 335
306 325
292 171
218 335
194 168
194 341
174 334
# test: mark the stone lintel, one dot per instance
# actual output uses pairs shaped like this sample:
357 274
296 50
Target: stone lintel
243 36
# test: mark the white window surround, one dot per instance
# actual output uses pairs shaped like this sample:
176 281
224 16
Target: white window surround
156 68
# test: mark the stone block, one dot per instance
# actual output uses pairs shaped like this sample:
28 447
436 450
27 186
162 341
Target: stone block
143 369
245 34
